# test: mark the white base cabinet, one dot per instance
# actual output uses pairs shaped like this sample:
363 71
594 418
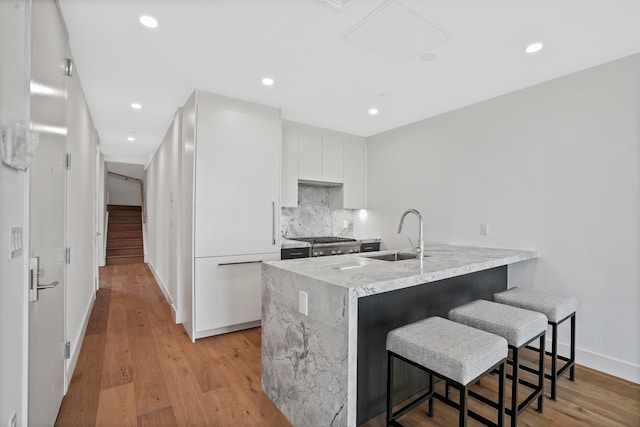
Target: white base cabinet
228 293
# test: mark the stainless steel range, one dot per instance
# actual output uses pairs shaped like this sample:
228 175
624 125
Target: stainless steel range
323 246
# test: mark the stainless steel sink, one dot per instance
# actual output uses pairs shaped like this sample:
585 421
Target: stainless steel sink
395 256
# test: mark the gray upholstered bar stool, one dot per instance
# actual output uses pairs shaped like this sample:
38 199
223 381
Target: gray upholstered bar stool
519 327
557 308
455 353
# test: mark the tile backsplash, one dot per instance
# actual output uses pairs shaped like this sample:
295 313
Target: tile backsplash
314 216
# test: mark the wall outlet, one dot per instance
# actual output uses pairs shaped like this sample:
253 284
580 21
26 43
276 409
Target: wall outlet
303 303
345 224
484 229
13 421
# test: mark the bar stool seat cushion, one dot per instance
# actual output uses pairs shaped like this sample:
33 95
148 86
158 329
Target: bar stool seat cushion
555 307
518 326
456 351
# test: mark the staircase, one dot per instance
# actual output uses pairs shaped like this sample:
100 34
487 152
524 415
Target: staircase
124 236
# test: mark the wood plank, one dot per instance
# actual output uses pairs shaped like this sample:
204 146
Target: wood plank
238 404
80 404
164 417
150 386
184 390
117 407
117 367
99 318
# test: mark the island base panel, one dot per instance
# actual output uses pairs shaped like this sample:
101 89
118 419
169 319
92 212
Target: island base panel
379 314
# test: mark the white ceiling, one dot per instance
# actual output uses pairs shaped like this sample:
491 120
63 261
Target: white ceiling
321 78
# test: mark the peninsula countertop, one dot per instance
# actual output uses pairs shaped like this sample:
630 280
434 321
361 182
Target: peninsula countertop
364 275
321 354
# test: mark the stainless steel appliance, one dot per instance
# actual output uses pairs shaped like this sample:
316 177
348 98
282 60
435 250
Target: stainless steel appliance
326 245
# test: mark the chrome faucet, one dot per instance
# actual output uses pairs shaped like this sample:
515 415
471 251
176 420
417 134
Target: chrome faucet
420 248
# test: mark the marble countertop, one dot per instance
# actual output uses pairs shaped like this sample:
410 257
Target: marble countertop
366 276
292 244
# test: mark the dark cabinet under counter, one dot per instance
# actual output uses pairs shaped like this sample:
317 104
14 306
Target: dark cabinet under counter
293 253
370 247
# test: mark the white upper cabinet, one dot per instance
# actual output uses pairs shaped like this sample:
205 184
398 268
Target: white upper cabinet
289 183
309 156
237 178
332 159
310 153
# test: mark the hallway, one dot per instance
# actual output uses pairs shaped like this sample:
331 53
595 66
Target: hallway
138 368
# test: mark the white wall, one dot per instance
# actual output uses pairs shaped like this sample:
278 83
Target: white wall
122 192
13 185
81 218
555 168
162 198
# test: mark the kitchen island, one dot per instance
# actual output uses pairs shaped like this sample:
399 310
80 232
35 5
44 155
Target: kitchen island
328 367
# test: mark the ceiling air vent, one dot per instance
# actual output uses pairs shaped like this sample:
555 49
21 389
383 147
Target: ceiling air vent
336 4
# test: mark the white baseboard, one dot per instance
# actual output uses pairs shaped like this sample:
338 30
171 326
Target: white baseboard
164 290
600 362
76 344
609 365
227 329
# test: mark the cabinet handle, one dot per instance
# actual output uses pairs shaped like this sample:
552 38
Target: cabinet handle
238 263
273 223
295 253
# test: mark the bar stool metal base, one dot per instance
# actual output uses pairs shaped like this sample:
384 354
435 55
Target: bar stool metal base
462 406
569 362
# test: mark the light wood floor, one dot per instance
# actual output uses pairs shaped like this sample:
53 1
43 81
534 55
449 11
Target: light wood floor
136 367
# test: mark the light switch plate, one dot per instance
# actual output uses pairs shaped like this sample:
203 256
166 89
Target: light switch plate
484 229
16 241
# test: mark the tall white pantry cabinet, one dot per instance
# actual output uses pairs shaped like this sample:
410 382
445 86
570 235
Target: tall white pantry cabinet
231 167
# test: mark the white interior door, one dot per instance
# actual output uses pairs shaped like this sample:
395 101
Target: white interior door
47 192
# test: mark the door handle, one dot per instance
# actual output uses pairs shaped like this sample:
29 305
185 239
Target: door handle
49 286
239 263
34 279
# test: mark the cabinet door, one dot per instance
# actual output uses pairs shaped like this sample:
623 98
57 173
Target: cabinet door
332 160
309 156
237 207
354 175
289 189
228 293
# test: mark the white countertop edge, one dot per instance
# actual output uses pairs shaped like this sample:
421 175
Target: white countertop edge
434 276
350 271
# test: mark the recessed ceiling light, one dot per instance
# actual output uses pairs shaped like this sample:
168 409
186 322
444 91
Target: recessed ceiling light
267 81
136 106
534 47
131 139
148 21
373 111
